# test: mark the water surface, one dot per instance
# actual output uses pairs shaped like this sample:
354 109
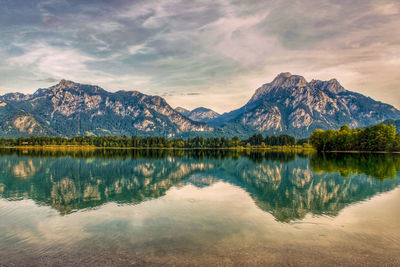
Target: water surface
153 207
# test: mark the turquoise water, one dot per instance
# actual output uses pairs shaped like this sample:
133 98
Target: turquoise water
131 207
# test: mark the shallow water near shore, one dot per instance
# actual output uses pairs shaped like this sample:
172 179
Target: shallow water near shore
132 207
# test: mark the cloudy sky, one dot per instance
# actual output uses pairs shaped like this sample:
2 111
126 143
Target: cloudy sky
200 53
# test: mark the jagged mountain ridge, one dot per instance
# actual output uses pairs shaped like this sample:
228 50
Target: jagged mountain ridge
70 109
290 104
200 114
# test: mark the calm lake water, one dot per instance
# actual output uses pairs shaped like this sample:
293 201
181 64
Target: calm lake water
131 207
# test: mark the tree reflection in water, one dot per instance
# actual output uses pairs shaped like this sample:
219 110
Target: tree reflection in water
287 185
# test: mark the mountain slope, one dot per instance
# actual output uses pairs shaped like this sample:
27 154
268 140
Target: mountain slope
290 104
70 109
183 111
200 114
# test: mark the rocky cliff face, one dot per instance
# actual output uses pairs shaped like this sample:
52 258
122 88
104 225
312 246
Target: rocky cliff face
69 109
292 105
200 114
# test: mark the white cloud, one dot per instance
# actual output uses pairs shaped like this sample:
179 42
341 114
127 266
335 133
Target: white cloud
53 62
47 61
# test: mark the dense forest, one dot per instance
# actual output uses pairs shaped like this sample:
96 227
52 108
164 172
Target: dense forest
257 140
379 137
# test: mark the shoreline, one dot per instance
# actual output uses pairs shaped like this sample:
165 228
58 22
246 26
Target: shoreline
361 152
72 147
276 148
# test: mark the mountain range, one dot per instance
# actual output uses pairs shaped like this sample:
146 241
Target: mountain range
70 109
289 104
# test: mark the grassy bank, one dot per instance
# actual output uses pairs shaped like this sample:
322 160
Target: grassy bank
91 147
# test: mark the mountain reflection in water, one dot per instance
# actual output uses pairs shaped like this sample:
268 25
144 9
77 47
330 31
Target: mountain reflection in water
286 185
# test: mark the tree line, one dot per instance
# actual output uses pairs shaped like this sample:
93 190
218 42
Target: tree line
379 137
257 140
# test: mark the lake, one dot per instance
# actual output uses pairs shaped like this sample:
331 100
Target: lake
198 207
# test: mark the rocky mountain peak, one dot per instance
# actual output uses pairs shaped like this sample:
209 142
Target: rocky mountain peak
73 87
331 86
66 84
284 75
61 86
15 97
286 79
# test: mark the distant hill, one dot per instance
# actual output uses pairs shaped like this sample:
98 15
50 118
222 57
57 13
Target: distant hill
200 114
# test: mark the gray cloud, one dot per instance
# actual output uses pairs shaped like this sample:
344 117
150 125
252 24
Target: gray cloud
223 49
48 80
301 24
194 93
